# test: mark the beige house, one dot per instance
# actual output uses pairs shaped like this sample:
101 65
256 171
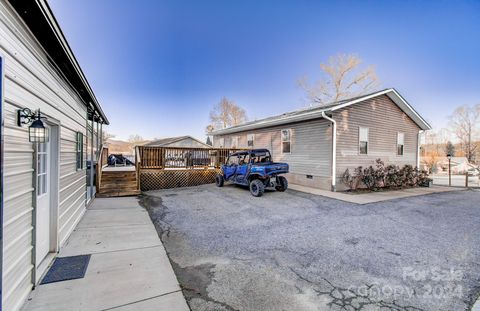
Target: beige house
320 143
46 184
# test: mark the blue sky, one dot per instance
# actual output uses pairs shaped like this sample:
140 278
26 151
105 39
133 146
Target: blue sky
158 67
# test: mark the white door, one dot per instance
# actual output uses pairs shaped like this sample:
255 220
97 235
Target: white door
44 155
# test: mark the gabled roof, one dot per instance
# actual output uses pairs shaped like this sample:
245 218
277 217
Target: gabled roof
316 112
39 18
170 140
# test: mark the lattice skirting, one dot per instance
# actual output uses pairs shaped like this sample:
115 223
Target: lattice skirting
165 179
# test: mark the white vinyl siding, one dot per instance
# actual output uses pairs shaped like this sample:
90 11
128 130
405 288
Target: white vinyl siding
31 81
221 142
79 151
234 142
363 140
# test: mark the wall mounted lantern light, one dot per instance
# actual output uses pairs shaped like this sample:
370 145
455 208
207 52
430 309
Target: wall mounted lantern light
37 132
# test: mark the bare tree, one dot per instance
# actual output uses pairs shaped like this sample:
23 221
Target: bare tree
135 139
431 150
225 114
465 124
106 136
342 78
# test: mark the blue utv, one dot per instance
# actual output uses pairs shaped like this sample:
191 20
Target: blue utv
255 169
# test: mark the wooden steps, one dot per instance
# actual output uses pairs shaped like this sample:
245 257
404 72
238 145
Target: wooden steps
118 184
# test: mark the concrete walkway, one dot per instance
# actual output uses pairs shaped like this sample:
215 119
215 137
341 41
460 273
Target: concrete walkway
128 269
372 197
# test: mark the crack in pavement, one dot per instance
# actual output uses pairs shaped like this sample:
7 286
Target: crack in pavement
346 299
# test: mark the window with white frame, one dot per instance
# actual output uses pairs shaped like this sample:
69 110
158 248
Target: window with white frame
400 143
286 141
42 168
79 151
234 143
221 142
363 140
250 139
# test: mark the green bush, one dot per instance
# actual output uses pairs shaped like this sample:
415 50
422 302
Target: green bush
381 176
379 173
352 181
368 178
348 179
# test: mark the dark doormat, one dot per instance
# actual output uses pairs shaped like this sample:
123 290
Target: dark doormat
67 268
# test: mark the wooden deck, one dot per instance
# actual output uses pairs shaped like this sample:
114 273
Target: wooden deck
159 168
118 182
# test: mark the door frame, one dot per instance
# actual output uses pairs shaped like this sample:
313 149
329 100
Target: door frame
2 87
54 167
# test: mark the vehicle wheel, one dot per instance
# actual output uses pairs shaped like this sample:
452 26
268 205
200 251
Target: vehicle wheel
282 184
257 188
219 180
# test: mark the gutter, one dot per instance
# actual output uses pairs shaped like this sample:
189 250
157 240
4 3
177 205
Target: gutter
418 147
334 151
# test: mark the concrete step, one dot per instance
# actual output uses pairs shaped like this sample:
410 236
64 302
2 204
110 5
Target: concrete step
117 189
113 193
118 182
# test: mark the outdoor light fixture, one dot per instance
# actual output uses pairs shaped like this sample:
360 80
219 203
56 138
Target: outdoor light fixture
37 132
449 157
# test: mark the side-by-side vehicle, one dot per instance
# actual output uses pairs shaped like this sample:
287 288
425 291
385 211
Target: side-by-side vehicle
255 169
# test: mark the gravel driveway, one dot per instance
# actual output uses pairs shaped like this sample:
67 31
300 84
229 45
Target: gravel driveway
296 251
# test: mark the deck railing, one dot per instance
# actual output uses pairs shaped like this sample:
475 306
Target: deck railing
167 157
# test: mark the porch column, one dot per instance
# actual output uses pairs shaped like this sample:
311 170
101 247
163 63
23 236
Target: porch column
92 161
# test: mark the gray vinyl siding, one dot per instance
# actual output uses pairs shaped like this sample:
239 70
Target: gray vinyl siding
311 146
384 120
31 81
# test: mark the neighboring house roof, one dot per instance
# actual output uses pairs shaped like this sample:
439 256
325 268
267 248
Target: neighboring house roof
39 18
455 161
165 142
316 112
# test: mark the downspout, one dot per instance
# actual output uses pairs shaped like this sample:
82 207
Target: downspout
418 147
334 151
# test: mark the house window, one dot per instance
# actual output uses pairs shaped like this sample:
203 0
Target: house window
250 138
286 139
234 142
363 140
221 142
400 143
79 150
42 169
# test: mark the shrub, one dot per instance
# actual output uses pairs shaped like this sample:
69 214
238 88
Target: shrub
368 178
391 175
423 178
358 172
352 181
379 173
385 176
409 176
348 180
